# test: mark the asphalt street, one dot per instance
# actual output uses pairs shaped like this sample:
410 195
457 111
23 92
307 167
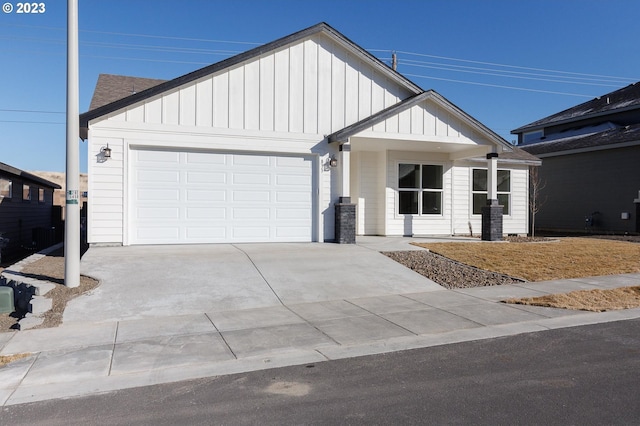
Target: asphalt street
579 375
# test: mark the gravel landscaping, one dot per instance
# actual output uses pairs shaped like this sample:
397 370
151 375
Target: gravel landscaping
448 273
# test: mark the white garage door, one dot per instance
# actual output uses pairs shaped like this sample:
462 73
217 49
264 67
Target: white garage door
214 197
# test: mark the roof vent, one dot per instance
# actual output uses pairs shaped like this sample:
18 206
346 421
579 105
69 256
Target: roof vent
607 100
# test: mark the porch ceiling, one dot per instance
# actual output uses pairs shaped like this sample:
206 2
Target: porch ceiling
455 147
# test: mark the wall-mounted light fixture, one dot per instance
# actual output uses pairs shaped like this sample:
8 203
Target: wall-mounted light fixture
105 151
333 162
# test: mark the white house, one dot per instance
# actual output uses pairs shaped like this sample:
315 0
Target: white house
267 145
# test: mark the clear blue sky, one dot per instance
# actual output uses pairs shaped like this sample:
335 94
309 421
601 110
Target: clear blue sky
471 52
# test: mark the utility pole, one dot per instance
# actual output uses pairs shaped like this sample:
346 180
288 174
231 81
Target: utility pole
72 207
394 61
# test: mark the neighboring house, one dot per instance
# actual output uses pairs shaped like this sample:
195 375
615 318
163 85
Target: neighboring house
26 210
591 164
307 138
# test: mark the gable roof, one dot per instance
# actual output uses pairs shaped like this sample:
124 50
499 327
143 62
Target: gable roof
27 176
624 99
322 27
111 88
510 152
609 138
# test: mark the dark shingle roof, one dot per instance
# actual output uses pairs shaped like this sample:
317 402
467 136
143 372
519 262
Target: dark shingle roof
619 135
618 100
111 88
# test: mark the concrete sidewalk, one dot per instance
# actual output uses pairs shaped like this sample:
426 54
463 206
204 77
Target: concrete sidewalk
81 358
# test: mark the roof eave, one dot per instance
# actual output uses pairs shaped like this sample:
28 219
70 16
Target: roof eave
22 174
531 128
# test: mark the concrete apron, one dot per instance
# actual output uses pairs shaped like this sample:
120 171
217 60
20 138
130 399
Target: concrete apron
155 281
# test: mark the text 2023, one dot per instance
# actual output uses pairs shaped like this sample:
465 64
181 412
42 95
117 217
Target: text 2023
31 8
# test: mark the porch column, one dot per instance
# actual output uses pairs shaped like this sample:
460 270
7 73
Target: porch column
345 213
492 212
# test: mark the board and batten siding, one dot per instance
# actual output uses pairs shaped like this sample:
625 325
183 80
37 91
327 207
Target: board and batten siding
425 119
314 86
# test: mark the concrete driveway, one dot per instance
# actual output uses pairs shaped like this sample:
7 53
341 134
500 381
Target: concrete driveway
157 281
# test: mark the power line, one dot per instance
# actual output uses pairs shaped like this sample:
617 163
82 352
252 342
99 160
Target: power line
500 86
32 111
511 66
30 122
506 72
510 76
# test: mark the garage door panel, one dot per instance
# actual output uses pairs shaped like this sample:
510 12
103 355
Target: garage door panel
157 176
194 195
251 179
206 177
155 157
158 234
210 197
293 180
206 213
159 195
158 213
293 197
251 196
251 213
206 234
293 213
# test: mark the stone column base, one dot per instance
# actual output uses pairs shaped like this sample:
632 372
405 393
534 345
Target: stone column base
345 221
492 221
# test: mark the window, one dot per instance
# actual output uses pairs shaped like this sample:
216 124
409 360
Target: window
479 189
419 189
41 195
532 136
6 188
26 193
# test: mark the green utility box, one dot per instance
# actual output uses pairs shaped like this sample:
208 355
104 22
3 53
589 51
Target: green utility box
6 300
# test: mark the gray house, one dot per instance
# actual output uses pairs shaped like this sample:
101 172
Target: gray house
26 211
590 164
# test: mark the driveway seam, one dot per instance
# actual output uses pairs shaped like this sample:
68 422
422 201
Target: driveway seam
221 335
260 272
113 351
313 325
383 318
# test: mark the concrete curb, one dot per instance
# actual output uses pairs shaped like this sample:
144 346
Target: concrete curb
29 292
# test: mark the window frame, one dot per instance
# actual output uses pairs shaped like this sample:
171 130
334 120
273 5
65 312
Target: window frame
420 190
486 192
29 193
9 194
41 195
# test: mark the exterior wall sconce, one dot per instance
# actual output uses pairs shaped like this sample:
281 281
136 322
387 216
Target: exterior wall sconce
106 152
333 162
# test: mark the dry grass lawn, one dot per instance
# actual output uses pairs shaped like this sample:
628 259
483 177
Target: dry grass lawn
6 359
587 300
566 258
